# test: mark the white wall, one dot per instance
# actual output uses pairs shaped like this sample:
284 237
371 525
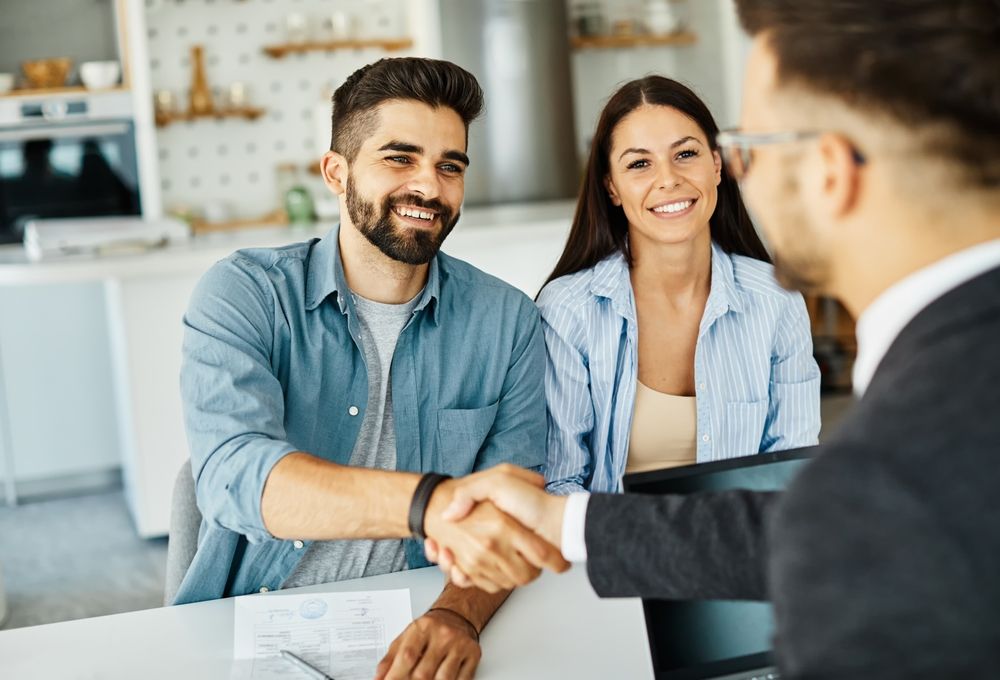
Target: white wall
735 44
712 67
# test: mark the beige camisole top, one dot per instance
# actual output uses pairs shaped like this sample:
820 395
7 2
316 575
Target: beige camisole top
664 429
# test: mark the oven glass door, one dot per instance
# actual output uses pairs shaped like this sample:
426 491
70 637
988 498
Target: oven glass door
79 170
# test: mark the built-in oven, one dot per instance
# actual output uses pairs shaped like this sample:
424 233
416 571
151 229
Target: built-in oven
66 157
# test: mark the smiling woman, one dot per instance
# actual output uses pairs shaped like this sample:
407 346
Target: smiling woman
669 341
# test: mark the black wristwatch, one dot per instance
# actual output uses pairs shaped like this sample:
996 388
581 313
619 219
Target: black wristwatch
421 499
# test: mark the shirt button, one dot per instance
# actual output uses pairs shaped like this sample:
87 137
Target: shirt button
701 386
298 544
705 438
353 410
265 589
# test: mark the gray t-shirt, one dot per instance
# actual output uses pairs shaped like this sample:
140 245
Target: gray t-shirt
328 561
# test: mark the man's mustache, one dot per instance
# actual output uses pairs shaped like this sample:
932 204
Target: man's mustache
414 200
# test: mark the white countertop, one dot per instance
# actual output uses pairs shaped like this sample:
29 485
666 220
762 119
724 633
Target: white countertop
479 227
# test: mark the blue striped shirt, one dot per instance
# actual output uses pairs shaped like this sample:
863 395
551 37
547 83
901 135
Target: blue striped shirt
756 382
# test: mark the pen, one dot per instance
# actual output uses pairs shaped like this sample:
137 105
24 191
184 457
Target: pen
304 666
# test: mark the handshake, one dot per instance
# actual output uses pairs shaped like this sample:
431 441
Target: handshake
496 529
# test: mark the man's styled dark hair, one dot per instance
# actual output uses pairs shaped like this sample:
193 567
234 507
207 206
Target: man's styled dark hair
430 81
930 64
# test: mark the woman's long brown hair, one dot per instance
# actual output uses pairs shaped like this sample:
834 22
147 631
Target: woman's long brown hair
600 228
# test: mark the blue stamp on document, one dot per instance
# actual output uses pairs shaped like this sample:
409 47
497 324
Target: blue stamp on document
312 609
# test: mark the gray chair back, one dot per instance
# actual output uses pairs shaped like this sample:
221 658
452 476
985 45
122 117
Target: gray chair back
185 522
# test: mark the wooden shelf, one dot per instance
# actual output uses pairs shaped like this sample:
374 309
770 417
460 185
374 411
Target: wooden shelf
625 41
276 218
282 50
249 113
57 91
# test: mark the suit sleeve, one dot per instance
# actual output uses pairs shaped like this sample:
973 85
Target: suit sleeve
679 547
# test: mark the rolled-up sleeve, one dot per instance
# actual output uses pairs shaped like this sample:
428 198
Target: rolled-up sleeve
793 417
567 397
233 402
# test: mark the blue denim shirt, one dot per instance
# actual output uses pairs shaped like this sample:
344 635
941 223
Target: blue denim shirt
272 364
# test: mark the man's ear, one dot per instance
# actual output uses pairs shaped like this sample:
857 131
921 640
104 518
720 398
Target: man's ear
333 168
841 174
612 192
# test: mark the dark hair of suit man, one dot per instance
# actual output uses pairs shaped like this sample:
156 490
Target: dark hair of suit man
930 65
904 101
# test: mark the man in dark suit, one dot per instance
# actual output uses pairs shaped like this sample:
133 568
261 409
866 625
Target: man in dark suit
874 135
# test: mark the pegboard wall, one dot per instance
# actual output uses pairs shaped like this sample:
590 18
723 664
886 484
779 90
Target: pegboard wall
233 162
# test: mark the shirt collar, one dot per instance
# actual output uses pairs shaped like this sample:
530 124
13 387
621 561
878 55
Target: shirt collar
611 280
325 276
885 318
723 295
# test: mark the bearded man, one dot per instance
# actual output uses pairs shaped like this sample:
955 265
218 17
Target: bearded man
323 382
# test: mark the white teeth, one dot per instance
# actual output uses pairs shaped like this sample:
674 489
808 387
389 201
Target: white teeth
419 214
673 207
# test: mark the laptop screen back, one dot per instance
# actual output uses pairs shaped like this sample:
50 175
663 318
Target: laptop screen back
711 638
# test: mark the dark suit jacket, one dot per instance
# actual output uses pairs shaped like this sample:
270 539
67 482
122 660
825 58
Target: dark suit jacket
883 556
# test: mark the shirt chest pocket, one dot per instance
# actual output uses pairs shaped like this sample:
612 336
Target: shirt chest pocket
742 428
460 434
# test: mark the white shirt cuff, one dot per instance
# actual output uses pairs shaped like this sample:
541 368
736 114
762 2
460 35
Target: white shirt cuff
574 542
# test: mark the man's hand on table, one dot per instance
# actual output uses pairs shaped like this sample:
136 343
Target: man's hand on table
505 507
440 645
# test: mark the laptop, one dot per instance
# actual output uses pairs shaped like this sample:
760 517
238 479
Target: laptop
723 640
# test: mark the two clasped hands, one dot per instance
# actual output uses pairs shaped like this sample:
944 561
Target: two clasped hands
496 529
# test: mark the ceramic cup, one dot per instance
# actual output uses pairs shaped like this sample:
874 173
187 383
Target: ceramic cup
100 75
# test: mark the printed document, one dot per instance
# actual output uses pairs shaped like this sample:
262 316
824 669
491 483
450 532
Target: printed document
344 635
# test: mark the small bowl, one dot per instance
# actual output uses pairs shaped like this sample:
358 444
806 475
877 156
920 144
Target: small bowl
45 73
100 75
6 82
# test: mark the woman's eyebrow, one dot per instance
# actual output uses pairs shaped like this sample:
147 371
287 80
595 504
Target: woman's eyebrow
679 142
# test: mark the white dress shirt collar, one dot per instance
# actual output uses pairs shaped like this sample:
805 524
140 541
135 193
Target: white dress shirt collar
885 318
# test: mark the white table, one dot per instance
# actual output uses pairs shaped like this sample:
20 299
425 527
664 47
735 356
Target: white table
554 628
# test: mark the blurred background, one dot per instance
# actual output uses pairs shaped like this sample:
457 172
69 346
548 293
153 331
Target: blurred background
142 140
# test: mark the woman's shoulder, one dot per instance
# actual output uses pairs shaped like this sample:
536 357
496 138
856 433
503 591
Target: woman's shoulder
581 289
756 281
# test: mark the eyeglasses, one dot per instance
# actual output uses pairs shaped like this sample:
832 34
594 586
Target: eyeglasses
737 147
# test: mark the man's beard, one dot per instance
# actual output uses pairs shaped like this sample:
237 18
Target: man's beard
798 273
798 265
411 246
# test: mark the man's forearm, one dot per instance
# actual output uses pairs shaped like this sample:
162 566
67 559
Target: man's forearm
474 605
309 498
